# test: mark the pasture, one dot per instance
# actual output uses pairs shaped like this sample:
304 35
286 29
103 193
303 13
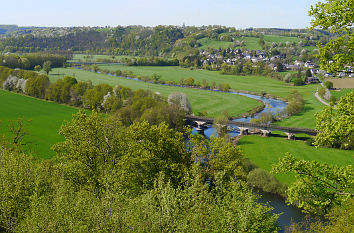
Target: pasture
214 103
45 120
250 42
265 152
257 84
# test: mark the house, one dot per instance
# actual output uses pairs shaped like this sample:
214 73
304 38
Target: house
291 67
298 63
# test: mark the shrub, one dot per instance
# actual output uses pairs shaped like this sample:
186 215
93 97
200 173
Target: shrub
328 84
262 179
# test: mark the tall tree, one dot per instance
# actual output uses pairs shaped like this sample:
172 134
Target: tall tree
338 17
335 126
47 66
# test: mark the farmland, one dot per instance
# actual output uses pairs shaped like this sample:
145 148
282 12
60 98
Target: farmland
46 119
214 103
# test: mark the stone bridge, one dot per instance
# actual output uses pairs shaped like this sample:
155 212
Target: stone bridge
203 122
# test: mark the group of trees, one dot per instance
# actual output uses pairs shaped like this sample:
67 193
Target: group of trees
128 105
156 78
31 60
152 61
107 177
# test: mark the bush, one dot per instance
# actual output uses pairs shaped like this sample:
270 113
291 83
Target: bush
299 82
262 179
328 84
310 141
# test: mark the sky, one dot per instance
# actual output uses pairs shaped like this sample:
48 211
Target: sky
233 13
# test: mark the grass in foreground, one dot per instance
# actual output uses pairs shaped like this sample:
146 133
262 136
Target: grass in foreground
265 152
46 119
214 103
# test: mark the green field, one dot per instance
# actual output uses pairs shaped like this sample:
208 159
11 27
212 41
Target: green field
265 152
215 44
278 39
93 58
251 43
342 92
46 119
214 103
248 83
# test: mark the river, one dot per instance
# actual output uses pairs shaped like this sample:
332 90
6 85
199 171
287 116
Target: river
289 213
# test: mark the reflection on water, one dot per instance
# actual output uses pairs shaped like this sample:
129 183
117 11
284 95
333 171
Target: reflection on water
288 215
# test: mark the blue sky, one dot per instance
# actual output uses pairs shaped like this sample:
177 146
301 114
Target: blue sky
235 13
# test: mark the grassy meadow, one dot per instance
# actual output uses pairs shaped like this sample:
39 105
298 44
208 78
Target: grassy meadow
251 43
45 120
214 103
257 84
342 92
215 44
265 152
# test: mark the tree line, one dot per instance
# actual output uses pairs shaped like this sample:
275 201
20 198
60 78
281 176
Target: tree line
30 60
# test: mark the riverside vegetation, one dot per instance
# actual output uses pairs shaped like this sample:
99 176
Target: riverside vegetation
130 165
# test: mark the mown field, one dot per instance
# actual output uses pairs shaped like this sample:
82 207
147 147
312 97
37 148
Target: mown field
248 83
214 103
46 119
265 152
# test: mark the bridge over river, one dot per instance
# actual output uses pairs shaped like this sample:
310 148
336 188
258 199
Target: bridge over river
203 122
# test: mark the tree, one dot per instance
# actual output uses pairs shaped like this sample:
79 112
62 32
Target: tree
318 186
47 66
181 100
37 86
37 68
335 126
338 17
328 84
308 73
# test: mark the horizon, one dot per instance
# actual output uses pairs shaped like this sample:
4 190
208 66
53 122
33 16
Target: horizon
89 13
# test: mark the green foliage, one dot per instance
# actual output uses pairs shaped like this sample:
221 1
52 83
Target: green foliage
37 86
220 124
328 84
37 68
299 82
339 220
95 147
336 16
335 127
47 66
17 181
218 155
319 186
263 180
295 103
